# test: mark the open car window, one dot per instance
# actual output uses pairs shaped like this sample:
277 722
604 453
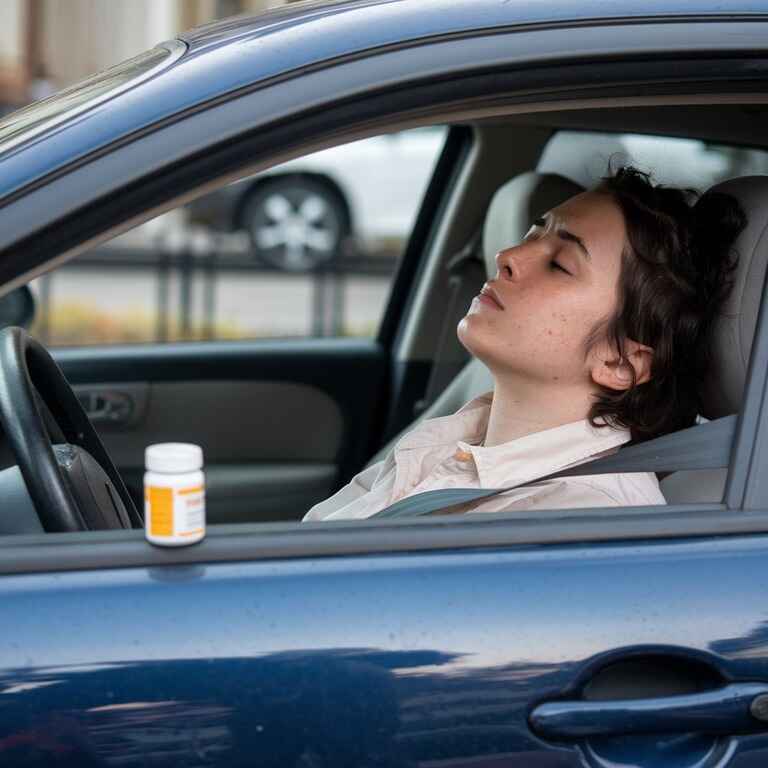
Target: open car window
308 248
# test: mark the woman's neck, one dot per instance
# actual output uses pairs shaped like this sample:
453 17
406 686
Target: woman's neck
517 410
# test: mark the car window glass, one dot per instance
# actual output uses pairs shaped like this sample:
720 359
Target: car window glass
583 156
308 248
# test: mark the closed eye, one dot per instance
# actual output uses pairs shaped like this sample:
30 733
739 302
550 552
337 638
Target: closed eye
553 265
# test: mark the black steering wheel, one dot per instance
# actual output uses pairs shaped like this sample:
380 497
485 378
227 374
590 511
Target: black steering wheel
74 486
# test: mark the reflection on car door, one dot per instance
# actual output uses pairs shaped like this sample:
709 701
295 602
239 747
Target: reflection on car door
396 660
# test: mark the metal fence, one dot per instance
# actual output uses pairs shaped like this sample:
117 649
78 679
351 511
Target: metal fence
327 303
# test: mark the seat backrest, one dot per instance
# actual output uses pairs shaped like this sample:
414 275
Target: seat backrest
733 336
735 329
513 208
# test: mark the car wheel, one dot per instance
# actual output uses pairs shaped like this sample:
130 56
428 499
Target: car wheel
295 224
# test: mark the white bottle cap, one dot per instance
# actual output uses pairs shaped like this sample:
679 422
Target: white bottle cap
173 457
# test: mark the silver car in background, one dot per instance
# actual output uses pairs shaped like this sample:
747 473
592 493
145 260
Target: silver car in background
358 198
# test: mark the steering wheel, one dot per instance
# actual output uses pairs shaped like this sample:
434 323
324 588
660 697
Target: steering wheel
75 486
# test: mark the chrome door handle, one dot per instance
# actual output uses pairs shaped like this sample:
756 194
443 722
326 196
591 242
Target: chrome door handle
735 708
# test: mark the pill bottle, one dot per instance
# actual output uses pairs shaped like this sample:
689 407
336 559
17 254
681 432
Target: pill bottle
174 494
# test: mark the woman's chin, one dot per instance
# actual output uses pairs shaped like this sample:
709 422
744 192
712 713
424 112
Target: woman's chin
470 334
464 333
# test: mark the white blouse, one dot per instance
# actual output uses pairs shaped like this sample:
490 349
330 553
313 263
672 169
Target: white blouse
445 452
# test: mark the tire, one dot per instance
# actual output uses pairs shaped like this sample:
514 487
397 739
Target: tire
295 224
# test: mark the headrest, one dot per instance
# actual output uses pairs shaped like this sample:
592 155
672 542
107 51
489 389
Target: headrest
735 330
514 207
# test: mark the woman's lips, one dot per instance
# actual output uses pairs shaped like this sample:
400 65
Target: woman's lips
488 296
485 299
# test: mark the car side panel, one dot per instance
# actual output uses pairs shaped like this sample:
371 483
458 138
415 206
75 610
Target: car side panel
415 659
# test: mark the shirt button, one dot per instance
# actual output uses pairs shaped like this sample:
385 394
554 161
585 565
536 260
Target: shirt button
462 455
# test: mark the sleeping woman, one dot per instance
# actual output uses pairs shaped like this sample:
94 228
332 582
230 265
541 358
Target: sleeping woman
596 329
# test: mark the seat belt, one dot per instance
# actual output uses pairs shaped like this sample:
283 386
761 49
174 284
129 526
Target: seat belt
703 446
460 268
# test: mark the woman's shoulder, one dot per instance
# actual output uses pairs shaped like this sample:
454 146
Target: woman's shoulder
579 492
626 489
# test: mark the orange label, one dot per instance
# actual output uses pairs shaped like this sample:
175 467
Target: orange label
191 533
161 511
196 489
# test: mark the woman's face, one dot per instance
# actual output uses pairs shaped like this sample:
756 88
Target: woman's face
553 292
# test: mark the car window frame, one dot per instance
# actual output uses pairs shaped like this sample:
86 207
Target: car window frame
265 541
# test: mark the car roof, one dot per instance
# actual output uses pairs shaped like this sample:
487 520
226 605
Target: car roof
244 53
382 22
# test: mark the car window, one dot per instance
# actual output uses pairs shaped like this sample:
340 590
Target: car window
308 248
583 156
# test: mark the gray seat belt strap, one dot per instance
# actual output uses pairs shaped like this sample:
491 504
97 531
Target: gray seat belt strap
703 446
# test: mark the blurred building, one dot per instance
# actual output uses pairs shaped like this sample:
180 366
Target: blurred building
46 45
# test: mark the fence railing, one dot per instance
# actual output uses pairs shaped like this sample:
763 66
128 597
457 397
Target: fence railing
328 296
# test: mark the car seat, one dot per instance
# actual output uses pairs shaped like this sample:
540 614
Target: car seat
528 195
733 335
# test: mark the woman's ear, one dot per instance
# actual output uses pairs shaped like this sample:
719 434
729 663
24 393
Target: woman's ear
611 370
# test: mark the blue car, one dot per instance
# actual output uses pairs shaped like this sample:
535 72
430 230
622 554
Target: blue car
633 636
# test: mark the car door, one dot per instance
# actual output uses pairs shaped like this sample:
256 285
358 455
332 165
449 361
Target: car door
430 642
278 659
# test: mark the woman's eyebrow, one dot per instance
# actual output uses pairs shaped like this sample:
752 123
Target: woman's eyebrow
564 234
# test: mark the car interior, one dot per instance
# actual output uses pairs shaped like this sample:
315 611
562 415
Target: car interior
506 179
517 201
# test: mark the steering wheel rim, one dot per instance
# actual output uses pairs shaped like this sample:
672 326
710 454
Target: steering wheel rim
26 365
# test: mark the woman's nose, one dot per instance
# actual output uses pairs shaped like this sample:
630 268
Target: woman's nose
511 263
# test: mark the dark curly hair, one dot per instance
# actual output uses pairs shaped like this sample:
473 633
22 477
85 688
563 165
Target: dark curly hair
676 273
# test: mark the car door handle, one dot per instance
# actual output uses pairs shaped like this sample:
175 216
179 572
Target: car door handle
120 405
735 708
107 407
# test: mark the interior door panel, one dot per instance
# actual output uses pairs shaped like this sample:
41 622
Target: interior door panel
279 429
